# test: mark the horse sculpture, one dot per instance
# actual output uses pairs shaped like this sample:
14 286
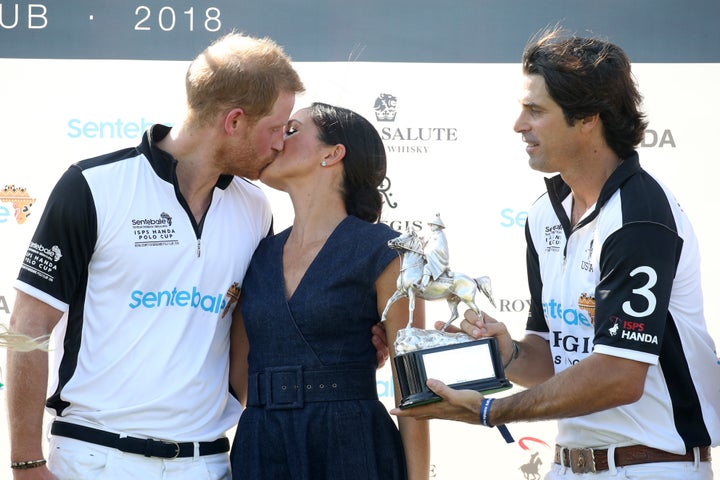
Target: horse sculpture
454 287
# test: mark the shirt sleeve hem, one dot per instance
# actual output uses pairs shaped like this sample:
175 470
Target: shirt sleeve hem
40 295
625 353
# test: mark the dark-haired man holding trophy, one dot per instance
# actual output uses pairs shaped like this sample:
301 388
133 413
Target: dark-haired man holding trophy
643 401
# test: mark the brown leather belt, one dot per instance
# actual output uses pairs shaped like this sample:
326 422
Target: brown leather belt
590 460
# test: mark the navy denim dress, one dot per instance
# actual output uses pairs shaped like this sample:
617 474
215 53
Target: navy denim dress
313 411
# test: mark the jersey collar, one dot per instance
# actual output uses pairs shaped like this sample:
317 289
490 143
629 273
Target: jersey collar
162 162
558 190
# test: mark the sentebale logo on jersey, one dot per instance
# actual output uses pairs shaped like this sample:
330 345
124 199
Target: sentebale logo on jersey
178 298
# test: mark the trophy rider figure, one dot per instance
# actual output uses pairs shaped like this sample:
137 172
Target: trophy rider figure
437 255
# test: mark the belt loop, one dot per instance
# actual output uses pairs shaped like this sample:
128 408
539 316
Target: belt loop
148 447
562 460
196 451
611 460
696 459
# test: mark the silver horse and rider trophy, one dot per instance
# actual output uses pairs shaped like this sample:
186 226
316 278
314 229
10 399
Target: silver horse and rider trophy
454 358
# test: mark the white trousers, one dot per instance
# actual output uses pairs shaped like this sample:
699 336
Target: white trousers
70 459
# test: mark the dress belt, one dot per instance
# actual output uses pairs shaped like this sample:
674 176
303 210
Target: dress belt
290 387
588 460
141 446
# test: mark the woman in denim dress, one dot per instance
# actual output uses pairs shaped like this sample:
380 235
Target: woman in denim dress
302 357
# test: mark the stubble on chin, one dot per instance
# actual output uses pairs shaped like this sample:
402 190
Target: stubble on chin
266 163
249 165
532 163
536 164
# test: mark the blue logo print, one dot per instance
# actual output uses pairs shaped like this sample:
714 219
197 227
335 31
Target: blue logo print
178 298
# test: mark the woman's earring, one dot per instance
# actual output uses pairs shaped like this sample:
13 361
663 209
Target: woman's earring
323 163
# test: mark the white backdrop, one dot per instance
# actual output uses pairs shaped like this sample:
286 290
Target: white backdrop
472 170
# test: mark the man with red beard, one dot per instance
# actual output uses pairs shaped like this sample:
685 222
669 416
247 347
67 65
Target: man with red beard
134 268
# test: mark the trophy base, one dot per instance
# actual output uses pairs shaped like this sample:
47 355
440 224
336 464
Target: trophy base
474 365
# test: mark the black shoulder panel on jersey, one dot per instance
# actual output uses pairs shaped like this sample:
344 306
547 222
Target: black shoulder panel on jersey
68 221
644 200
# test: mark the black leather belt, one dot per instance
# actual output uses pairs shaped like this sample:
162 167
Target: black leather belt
590 460
280 388
140 446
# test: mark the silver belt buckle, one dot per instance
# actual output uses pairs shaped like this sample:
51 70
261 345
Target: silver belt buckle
175 444
582 460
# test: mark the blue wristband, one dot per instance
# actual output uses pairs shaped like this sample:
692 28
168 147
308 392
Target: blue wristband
485 420
485 411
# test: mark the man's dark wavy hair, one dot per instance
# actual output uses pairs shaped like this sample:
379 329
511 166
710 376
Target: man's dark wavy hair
588 76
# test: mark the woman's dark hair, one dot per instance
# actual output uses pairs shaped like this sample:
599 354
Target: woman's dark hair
587 76
364 163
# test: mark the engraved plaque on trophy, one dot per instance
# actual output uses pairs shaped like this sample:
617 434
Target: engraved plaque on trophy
456 359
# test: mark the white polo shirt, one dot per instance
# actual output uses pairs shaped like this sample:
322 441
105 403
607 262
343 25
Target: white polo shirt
625 281
147 293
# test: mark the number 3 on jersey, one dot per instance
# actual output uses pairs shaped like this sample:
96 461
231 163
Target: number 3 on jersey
643 291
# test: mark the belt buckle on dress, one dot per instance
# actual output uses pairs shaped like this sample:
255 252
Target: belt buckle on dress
293 380
582 460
